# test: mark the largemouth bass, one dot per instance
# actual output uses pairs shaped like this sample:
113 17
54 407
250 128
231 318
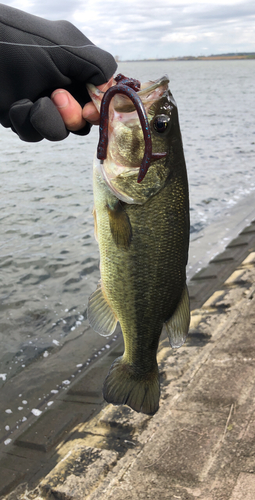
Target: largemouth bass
142 230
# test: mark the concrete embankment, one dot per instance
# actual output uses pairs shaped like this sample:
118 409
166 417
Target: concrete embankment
200 444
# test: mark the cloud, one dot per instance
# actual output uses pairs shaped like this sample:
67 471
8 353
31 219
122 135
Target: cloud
51 9
164 28
220 28
156 28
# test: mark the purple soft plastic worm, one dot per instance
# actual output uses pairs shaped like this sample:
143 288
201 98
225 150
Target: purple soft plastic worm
130 82
127 87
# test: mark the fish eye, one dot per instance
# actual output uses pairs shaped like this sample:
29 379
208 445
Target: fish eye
161 123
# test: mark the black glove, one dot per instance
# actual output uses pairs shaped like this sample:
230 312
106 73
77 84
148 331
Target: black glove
30 73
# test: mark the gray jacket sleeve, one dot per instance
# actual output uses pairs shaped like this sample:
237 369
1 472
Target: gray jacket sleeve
36 57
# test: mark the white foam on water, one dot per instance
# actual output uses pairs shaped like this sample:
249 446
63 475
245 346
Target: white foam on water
36 412
66 382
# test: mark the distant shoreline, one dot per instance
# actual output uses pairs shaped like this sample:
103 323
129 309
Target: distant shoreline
213 57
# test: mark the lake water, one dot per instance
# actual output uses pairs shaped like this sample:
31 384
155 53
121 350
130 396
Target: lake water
48 256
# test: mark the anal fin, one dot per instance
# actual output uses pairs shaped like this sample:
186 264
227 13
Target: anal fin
178 325
100 314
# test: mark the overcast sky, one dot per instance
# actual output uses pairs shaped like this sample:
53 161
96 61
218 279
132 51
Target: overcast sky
137 29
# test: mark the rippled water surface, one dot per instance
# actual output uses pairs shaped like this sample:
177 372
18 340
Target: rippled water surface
48 256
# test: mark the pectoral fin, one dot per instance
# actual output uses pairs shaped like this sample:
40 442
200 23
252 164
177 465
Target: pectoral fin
100 314
178 325
120 225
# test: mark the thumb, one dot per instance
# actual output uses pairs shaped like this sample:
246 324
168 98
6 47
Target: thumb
69 109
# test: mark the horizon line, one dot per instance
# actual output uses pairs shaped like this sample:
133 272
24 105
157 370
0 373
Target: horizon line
230 55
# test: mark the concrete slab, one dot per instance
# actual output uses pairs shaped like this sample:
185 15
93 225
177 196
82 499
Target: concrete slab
9 479
241 240
235 277
249 260
245 487
47 431
16 464
79 473
122 418
87 389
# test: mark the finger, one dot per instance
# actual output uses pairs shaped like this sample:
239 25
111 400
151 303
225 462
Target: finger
20 119
91 114
69 109
46 119
105 86
35 121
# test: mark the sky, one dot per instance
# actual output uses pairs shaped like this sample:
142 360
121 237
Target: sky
148 29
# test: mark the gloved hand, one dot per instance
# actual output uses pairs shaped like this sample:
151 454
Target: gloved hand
37 57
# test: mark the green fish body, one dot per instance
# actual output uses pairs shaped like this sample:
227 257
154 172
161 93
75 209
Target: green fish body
143 236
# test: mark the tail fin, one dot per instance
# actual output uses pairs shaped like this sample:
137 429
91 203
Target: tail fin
124 386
